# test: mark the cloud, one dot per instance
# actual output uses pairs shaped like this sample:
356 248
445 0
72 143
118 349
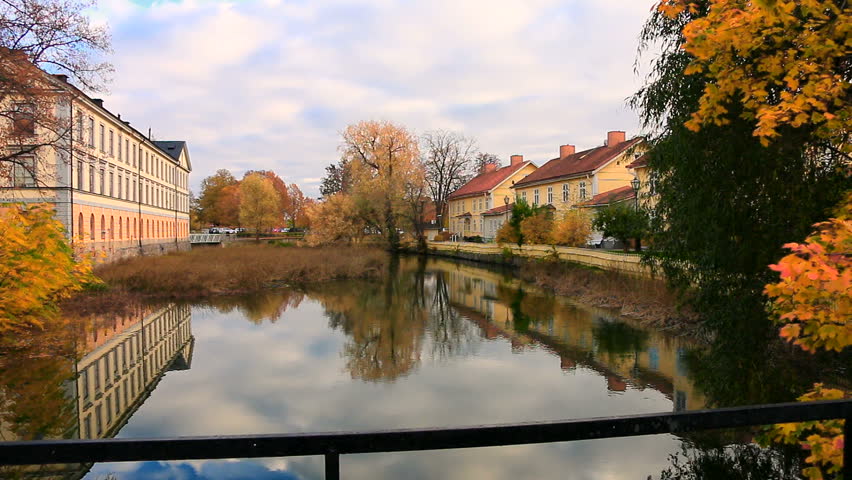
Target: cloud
270 84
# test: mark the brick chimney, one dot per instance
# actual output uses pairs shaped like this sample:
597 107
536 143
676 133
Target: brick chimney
565 150
615 137
489 167
62 77
516 159
98 101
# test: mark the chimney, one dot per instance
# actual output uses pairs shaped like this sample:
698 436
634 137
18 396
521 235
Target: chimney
489 167
615 137
516 160
62 77
98 101
565 150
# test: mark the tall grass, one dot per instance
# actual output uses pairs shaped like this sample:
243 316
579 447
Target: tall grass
238 269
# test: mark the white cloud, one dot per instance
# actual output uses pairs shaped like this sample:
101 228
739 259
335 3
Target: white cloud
270 84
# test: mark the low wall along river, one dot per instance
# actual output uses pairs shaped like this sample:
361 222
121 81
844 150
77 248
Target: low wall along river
494 253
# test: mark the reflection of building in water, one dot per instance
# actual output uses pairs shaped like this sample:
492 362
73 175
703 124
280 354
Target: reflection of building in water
123 360
579 335
126 361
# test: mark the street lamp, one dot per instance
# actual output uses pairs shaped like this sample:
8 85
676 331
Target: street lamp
635 183
506 202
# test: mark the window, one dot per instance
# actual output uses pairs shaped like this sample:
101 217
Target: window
127 151
535 197
119 147
111 144
550 195
582 190
134 189
80 226
24 172
103 139
91 132
134 156
127 188
565 192
103 227
111 184
112 228
120 182
92 178
524 196
23 119
79 174
92 227
79 126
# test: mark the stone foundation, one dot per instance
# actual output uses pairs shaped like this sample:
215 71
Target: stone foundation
106 252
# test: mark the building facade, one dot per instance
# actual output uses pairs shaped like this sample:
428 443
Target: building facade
117 192
574 177
471 207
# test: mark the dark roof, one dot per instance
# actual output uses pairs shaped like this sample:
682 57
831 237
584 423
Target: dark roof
483 183
619 194
502 209
579 163
640 162
172 147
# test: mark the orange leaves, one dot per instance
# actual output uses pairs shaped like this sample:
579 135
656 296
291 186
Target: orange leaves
36 267
782 59
814 296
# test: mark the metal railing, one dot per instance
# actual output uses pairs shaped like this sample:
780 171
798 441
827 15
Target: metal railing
332 445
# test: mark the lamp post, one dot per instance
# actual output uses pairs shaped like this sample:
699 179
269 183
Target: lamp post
635 183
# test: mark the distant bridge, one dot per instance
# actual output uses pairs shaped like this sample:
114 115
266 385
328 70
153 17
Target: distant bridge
205 238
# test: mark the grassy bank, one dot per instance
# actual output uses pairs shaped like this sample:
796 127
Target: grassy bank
222 271
647 300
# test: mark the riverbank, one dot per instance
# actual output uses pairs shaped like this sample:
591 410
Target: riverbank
235 270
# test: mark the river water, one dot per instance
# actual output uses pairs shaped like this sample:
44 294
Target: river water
434 343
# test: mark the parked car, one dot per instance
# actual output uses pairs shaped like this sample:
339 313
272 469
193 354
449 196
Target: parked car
213 230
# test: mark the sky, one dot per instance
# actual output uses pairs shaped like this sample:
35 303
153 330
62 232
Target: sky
270 84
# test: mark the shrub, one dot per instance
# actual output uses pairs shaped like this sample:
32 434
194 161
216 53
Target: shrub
573 230
474 239
508 234
536 228
442 237
623 222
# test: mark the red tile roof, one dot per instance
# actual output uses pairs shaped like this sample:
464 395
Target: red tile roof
619 194
579 163
640 162
502 209
483 183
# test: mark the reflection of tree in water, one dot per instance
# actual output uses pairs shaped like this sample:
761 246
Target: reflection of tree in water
262 306
526 309
451 334
619 338
732 462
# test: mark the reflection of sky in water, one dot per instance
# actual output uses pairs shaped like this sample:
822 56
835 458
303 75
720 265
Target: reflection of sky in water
290 376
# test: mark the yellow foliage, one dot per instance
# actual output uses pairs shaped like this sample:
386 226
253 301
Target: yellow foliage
536 229
573 229
782 59
37 268
334 220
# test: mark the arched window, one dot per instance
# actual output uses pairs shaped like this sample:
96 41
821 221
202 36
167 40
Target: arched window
103 227
127 226
80 232
134 224
120 229
92 227
147 228
111 227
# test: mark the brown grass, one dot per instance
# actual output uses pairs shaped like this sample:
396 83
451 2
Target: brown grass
647 300
238 269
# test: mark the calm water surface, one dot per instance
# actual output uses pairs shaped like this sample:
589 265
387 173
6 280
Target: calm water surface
433 344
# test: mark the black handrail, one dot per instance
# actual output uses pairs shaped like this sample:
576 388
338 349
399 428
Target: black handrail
332 445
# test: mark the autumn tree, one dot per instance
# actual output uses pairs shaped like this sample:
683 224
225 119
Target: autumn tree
536 228
296 209
384 159
228 205
573 229
448 158
334 220
813 303
727 199
511 231
281 189
37 267
212 192
259 204
36 36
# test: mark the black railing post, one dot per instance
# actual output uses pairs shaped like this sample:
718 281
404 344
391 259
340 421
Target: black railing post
332 465
847 447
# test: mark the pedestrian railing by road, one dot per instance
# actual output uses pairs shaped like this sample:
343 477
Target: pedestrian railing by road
332 445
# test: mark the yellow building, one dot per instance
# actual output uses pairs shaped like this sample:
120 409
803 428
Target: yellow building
647 182
480 206
116 191
575 177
